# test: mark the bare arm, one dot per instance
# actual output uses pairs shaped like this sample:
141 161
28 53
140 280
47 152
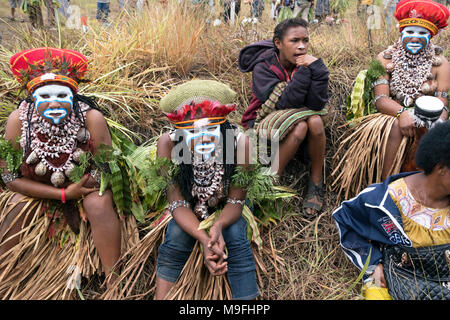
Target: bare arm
386 105
98 128
30 187
443 79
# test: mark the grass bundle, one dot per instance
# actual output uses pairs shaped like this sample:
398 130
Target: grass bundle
353 156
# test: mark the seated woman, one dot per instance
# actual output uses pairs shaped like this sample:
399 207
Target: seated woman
402 225
289 93
208 148
411 68
50 131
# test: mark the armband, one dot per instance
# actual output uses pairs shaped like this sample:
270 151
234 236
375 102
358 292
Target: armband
379 81
378 97
443 94
9 177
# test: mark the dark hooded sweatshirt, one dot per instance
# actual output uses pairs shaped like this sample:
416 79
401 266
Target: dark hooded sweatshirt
307 87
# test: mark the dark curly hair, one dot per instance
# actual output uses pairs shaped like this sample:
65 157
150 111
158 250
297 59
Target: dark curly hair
282 27
434 148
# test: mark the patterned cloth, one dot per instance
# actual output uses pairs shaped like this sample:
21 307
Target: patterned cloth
273 123
424 226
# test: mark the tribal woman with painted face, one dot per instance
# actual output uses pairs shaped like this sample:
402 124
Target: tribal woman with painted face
207 148
52 131
408 85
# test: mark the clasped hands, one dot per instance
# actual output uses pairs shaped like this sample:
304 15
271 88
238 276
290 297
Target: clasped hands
214 251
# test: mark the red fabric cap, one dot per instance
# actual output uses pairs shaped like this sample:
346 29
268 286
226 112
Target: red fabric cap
28 65
206 109
424 13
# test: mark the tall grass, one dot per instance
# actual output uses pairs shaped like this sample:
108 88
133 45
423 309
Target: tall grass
140 57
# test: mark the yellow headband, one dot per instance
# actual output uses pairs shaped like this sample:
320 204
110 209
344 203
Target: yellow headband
189 124
32 84
419 22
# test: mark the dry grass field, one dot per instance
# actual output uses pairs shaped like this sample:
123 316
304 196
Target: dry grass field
139 57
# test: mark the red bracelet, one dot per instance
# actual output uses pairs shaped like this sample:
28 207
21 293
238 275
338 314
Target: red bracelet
63 195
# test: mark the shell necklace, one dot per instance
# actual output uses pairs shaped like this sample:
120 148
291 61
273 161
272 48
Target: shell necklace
49 141
409 72
207 186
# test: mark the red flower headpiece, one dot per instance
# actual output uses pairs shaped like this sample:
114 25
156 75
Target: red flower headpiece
423 13
206 109
35 67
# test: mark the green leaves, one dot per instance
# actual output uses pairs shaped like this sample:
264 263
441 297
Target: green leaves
79 170
12 156
263 195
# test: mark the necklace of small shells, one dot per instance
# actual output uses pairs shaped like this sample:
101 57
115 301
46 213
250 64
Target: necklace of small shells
409 72
207 181
61 139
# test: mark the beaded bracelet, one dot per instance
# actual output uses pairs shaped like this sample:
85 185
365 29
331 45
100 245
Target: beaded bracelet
63 195
236 201
399 112
176 204
9 177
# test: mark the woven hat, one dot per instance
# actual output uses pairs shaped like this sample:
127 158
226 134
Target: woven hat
35 67
428 14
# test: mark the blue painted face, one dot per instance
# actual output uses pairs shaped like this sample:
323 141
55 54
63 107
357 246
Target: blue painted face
53 102
415 39
203 138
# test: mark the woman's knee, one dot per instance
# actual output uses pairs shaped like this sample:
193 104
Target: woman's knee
315 125
299 131
97 206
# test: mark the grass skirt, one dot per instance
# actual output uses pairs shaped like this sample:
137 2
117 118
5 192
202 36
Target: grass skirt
358 161
49 259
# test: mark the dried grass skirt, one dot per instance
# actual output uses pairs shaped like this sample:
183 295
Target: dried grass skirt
49 256
359 159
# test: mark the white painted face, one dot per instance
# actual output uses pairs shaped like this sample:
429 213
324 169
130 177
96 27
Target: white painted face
200 137
53 102
415 38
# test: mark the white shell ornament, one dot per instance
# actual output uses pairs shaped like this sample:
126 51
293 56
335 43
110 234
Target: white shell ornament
426 87
438 50
40 169
32 158
390 67
77 154
57 178
69 169
83 135
433 86
437 61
